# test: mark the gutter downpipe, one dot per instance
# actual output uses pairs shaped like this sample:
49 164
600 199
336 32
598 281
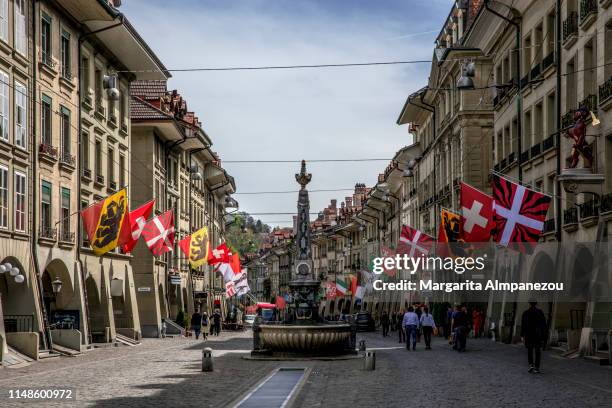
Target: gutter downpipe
79 238
46 330
519 95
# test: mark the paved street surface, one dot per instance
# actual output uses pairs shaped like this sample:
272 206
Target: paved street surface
167 373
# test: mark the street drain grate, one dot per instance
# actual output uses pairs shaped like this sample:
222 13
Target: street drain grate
275 391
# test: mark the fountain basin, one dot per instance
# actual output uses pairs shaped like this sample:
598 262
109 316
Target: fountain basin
306 339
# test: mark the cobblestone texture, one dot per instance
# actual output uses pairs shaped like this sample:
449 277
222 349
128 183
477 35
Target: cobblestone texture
167 373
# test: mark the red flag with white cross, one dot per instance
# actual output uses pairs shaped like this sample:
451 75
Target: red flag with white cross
138 219
158 233
220 254
518 212
476 214
414 242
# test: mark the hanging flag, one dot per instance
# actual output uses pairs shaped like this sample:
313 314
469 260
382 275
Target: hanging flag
219 255
235 262
230 290
158 233
241 284
353 285
450 235
138 219
359 292
105 223
196 247
518 212
330 290
230 268
476 214
386 252
414 242
341 286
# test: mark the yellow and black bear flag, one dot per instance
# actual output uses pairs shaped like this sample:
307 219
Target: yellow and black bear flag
107 223
450 235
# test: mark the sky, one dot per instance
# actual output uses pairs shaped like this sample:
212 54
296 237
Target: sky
332 113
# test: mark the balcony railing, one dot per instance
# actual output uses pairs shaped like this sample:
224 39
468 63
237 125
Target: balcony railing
536 150
525 156
570 216
567 120
502 164
587 8
67 158
549 225
66 236
99 179
570 26
536 71
511 158
548 143
548 61
590 103
606 203
524 81
112 185
124 127
18 323
48 150
47 232
589 209
605 91
87 173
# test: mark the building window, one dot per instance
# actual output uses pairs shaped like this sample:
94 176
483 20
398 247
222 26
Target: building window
98 157
110 163
3 197
4 106
21 115
123 111
20 200
85 151
4 20
65 55
65 214
21 44
46 118
85 77
121 170
98 87
45 205
45 40
65 130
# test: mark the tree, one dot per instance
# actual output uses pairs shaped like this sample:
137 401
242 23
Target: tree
243 233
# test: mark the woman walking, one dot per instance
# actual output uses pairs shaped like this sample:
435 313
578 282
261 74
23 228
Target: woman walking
428 324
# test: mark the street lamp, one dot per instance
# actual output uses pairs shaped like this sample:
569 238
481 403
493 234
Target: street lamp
56 285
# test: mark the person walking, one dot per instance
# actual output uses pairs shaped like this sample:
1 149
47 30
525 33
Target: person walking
477 318
411 325
400 326
534 332
459 327
205 326
393 321
216 322
384 321
428 324
448 323
196 323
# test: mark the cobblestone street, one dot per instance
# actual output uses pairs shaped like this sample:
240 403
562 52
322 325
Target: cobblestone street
167 373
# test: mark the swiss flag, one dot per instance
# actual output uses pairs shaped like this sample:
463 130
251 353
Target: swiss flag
219 255
137 221
158 233
518 212
414 242
386 252
476 214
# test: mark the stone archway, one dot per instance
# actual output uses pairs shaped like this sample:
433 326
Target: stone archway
97 314
63 308
19 300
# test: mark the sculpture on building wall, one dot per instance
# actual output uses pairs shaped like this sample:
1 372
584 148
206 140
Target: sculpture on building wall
578 134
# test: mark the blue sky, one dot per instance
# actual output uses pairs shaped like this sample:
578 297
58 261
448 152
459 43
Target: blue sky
295 114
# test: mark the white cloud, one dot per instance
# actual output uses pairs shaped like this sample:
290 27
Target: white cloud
291 114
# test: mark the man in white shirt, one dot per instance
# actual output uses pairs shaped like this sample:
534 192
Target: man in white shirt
411 325
428 324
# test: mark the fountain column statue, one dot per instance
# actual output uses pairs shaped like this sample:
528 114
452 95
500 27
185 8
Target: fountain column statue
304 286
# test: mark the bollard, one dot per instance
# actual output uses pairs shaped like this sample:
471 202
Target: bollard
207 359
369 361
362 345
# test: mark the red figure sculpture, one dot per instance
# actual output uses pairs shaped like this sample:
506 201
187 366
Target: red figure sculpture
578 135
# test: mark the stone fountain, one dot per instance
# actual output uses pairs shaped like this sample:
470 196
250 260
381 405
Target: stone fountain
304 333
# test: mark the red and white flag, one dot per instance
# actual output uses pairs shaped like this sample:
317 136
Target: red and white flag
230 290
414 242
137 221
476 214
518 212
386 252
231 268
158 233
219 255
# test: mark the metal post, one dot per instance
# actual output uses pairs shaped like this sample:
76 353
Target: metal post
369 361
207 360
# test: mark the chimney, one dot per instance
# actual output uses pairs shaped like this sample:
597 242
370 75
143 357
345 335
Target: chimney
334 202
348 201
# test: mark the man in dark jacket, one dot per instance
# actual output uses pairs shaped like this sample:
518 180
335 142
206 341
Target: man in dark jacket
534 332
384 321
